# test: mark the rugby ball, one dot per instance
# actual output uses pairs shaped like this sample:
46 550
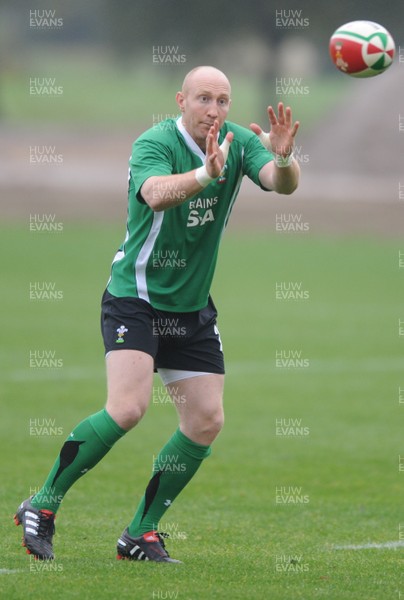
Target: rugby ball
362 49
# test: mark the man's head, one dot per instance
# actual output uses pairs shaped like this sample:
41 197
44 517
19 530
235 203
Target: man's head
204 98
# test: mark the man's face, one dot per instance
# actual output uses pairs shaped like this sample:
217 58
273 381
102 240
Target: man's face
204 99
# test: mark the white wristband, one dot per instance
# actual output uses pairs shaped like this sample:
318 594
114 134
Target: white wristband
202 176
283 161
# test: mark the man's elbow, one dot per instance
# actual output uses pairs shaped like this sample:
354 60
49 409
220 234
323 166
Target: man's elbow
149 195
154 204
289 189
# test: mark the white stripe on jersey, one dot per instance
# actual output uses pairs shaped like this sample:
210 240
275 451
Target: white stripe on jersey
119 255
192 145
232 200
144 255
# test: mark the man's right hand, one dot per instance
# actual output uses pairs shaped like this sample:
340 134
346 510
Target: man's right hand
215 159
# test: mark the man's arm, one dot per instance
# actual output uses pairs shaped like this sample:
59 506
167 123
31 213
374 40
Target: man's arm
281 174
282 180
165 191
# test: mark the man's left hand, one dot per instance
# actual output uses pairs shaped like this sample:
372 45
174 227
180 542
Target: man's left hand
281 137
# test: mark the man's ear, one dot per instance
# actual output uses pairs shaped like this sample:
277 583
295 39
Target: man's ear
179 97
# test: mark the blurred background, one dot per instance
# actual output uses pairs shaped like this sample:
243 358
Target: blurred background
79 81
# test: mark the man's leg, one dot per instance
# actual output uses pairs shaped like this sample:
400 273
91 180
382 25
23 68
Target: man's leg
129 381
130 376
200 407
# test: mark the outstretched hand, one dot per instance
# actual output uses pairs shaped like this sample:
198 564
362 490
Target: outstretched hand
281 137
215 156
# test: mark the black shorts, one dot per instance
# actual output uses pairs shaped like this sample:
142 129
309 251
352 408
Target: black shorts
176 340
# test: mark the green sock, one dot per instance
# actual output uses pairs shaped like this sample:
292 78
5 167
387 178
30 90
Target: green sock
175 465
83 449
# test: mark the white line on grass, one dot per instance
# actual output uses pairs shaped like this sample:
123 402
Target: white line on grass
9 571
62 373
377 546
318 365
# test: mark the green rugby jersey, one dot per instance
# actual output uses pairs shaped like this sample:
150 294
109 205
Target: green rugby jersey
168 258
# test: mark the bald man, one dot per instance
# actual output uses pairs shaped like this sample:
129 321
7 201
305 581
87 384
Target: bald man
157 313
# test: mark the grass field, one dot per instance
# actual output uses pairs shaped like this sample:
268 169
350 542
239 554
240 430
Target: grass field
309 456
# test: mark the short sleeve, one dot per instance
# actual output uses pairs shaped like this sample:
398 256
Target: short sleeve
149 158
255 157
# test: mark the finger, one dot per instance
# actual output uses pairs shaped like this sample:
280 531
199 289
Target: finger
263 136
212 131
272 116
224 147
230 137
265 140
255 128
295 128
213 136
211 158
209 142
281 114
216 127
288 117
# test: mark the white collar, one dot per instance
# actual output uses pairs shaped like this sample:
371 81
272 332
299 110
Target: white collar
189 140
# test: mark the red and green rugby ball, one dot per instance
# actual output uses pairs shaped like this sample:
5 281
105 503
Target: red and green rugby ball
362 49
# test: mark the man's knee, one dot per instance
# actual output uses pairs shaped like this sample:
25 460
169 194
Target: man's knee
214 423
130 378
126 412
206 426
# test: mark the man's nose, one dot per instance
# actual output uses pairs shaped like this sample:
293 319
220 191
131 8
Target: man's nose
212 111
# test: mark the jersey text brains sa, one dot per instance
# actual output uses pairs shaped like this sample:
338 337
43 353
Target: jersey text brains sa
195 216
168 55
